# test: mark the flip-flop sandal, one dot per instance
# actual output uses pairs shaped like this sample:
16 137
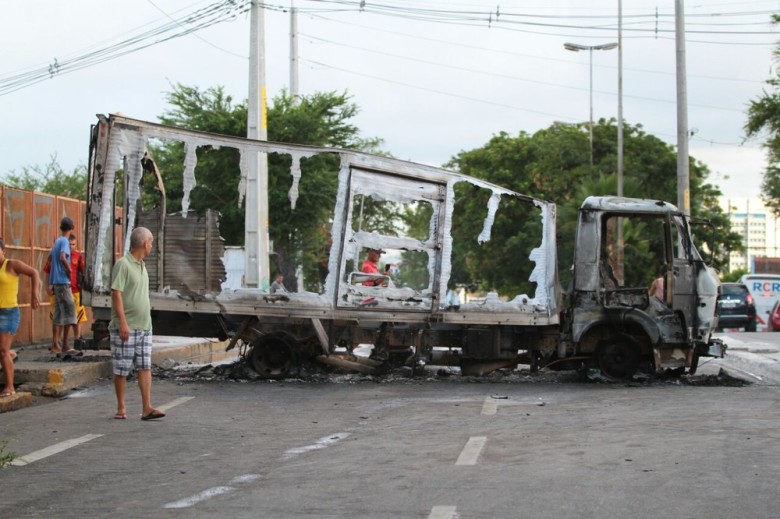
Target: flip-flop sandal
73 352
120 416
7 393
154 414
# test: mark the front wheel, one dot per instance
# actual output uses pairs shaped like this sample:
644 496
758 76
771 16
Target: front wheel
618 357
694 364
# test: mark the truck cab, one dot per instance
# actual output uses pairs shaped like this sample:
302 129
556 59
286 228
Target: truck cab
613 318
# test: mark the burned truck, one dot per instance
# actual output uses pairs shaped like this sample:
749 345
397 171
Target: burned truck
470 269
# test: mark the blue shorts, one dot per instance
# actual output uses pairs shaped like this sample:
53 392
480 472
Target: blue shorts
136 350
9 320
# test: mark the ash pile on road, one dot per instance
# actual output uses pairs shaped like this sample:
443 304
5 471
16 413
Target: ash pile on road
721 379
240 371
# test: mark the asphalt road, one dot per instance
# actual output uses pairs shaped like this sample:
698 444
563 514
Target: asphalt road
527 447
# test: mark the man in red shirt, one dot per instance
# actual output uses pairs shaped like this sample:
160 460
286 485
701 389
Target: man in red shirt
371 266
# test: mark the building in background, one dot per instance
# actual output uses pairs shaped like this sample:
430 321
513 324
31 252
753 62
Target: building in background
759 229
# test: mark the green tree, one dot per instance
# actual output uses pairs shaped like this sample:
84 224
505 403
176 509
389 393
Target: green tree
763 117
300 236
50 178
553 164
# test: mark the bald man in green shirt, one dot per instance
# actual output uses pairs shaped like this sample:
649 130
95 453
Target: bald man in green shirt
131 324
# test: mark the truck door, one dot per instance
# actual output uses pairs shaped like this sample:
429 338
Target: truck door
400 218
684 273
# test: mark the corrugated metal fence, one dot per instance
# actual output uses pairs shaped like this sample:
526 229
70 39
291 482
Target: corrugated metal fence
29 227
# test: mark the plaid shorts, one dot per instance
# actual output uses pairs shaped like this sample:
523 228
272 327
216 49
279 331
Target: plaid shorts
136 351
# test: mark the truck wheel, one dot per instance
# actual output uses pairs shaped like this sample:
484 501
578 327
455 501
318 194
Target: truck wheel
618 357
274 355
694 364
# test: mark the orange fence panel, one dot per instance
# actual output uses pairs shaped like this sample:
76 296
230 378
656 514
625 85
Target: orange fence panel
29 225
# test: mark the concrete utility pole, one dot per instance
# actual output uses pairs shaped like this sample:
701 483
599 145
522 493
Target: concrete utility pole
256 267
683 166
620 244
620 105
293 54
576 47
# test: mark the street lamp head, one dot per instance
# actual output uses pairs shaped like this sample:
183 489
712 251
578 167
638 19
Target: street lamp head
606 46
576 47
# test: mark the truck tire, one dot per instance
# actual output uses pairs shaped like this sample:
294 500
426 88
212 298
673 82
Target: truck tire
274 355
618 357
694 364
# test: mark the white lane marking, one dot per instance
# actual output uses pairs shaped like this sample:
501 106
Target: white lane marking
200 496
442 512
323 442
212 492
490 407
174 403
471 451
54 449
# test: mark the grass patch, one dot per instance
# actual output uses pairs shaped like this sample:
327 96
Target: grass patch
6 456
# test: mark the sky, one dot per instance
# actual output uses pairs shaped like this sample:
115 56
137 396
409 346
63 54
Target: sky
431 77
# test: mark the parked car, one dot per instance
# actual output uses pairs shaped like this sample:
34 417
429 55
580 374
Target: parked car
773 321
736 307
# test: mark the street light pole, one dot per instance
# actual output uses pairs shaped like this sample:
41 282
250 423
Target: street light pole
576 47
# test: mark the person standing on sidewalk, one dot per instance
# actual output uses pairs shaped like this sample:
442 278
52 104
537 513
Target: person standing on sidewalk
76 274
10 270
131 324
64 315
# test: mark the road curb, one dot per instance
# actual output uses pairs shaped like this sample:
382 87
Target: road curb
38 372
18 401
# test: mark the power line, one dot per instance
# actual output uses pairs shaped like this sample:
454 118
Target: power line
418 36
504 18
608 31
435 91
225 10
514 78
502 105
198 36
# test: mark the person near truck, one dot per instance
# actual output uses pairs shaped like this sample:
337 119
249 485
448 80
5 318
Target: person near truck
371 266
277 287
64 315
10 270
76 274
130 328
657 288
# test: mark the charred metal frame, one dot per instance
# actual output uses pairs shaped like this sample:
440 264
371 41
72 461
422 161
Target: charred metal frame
487 334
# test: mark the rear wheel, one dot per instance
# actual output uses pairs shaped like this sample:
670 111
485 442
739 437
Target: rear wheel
618 357
274 355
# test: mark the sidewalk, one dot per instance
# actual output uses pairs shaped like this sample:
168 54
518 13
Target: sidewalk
753 356
37 372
